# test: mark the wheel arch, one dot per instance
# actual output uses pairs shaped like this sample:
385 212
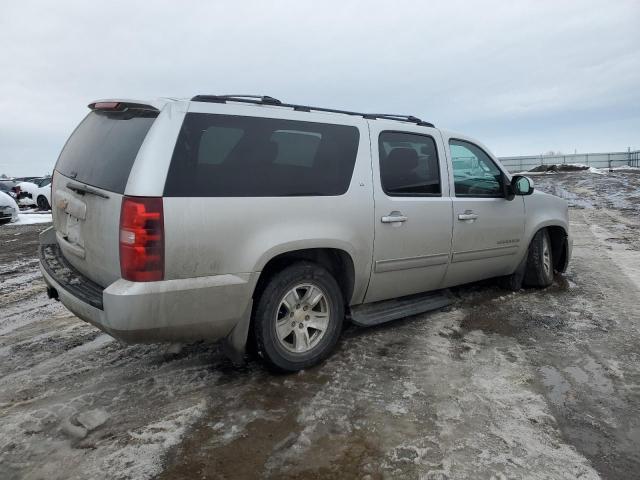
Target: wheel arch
559 247
337 261
559 237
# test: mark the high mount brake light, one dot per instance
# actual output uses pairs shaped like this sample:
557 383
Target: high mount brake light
106 106
142 239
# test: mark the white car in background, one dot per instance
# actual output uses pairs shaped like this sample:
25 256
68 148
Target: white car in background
8 209
37 193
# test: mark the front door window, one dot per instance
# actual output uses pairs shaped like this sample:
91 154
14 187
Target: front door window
474 173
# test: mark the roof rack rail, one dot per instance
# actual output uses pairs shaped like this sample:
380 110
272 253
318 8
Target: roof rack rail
401 118
267 100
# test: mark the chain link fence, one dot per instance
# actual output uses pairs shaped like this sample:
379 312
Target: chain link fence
597 160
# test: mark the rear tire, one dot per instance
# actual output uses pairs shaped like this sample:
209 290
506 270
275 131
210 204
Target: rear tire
298 317
43 203
540 261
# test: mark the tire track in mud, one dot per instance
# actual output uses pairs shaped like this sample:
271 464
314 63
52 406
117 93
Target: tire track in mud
421 397
582 336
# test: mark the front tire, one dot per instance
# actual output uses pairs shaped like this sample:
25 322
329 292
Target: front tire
540 261
298 317
43 203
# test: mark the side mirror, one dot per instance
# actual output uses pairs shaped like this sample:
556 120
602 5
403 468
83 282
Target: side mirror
521 185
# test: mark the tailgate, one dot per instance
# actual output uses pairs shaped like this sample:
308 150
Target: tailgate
87 227
88 185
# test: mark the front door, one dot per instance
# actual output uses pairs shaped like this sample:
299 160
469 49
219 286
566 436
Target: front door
487 227
412 211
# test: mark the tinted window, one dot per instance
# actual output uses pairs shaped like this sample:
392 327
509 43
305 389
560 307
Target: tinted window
101 151
235 156
474 173
296 147
408 164
216 143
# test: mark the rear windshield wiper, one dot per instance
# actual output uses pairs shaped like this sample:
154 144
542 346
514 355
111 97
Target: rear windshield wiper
83 189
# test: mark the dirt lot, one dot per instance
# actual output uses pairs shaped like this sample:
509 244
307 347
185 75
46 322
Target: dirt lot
533 384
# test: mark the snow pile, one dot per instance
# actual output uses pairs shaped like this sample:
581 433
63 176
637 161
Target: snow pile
623 168
33 218
563 167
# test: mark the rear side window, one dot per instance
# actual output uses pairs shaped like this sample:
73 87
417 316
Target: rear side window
101 151
296 147
237 156
408 165
216 143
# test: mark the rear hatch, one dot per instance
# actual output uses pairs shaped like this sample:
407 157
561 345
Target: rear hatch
89 182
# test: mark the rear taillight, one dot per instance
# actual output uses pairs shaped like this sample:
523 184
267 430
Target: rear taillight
142 239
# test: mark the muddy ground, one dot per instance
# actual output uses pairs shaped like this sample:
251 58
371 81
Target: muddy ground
533 384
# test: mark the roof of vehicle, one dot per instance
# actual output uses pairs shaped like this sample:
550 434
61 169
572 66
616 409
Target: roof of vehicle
257 100
271 101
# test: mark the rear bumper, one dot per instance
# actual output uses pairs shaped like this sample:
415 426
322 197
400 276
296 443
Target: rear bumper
203 308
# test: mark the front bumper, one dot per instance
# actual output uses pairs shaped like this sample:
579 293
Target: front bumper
181 310
5 216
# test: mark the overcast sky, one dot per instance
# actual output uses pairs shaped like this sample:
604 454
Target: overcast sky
522 77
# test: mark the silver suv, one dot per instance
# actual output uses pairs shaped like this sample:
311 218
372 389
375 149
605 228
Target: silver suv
244 218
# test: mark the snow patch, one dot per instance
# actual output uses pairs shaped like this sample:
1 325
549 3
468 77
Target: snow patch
236 424
33 218
396 408
92 419
142 457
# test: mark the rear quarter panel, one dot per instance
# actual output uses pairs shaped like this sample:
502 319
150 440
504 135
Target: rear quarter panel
232 235
149 171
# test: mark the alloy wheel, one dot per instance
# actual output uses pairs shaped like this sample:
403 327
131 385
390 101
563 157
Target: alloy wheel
302 318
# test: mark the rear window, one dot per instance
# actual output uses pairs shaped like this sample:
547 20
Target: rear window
101 151
236 156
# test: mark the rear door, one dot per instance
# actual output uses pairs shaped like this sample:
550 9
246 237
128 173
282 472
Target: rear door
412 211
487 227
88 184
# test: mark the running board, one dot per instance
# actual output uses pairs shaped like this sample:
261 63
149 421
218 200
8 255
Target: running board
370 314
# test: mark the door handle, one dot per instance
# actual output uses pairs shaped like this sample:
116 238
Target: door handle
467 215
394 217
